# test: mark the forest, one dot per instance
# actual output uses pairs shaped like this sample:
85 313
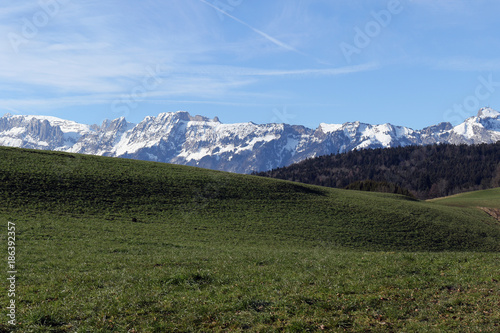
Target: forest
425 171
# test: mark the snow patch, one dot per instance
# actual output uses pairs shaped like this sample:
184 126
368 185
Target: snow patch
380 133
14 131
329 128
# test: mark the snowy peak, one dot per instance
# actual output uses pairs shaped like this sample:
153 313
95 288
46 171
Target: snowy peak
485 127
30 131
488 113
116 125
178 137
184 116
66 126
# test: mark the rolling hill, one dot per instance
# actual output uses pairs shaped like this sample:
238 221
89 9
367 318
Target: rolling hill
116 245
486 198
198 203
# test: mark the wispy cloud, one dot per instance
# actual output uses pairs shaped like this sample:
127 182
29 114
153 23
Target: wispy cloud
220 70
273 40
468 64
88 55
259 32
13 9
95 52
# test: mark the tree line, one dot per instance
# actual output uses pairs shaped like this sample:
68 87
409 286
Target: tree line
425 171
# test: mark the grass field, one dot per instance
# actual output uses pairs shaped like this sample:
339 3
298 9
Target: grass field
113 245
486 198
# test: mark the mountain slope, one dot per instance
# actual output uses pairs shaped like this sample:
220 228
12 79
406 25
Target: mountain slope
208 206
198 141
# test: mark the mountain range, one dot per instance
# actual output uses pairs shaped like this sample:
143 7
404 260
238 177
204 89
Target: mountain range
178 137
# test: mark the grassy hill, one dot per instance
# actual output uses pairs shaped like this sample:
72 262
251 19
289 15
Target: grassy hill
203 204
485 198
487 201
107 244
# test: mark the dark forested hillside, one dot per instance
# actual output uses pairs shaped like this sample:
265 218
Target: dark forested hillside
384 187
427 171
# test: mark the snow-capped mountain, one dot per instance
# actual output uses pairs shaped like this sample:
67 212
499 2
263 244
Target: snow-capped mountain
178 137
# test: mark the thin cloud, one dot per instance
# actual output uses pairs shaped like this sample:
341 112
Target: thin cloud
7 12
469 64
164 96
260 32
90 54
216 70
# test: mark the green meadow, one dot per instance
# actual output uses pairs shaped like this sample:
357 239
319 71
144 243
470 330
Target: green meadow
486 198
116 245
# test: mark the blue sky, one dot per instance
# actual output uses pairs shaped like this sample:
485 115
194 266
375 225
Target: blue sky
412 63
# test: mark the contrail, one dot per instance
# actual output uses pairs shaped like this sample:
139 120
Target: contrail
262 33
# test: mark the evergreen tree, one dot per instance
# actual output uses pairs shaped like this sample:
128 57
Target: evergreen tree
425 171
